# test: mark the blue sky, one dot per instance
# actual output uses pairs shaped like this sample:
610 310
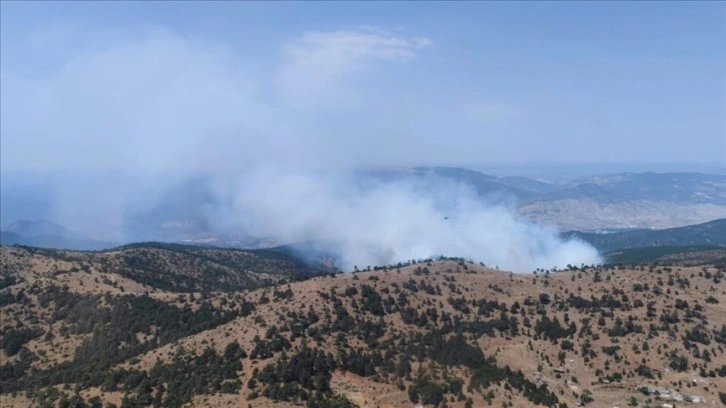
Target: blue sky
148 86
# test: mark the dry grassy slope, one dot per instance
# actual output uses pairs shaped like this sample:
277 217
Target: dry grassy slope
173 268
524 351
477 284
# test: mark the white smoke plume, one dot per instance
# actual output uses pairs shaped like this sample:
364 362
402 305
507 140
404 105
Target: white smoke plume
398 221
159 108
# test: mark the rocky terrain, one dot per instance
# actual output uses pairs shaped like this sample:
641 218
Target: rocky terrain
88 329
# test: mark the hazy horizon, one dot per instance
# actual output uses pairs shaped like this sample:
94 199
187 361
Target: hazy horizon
109 107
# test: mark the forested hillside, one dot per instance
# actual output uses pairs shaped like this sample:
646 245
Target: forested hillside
712 233
79 329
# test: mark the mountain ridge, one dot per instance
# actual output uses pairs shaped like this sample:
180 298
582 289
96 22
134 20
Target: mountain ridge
712 233
608 202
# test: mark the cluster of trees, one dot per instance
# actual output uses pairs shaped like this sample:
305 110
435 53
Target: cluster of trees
305 376
606 302
444 342
489 373
7 281
168 385
119 328
552 329
274 342
9 298
429 392
14 339
174 383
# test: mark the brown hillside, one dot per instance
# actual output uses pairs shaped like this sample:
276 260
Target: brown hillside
438 333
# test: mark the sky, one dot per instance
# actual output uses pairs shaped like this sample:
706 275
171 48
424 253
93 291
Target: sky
158 87
122 117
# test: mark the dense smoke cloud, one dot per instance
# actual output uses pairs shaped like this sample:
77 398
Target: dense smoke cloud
276 149
401 220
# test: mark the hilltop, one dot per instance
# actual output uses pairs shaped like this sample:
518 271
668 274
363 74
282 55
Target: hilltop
169 267
43 233
78 326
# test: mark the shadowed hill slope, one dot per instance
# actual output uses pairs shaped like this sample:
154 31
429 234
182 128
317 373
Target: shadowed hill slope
172 267
711 233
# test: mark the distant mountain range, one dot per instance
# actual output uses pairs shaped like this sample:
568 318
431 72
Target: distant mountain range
693 244
629 202
688 188
607 202
669 255
45 234
707 234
